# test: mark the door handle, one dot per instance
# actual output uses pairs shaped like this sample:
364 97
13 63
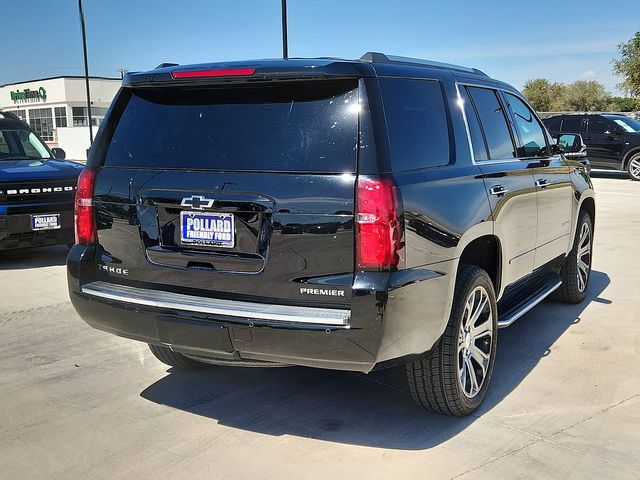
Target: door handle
498 190
542 182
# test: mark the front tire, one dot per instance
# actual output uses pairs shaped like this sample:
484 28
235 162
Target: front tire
174 359
633 167
576 271
454 376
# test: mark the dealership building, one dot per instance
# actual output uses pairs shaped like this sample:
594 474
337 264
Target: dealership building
56 108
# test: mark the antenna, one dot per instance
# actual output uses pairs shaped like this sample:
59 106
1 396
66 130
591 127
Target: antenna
285 46
86 72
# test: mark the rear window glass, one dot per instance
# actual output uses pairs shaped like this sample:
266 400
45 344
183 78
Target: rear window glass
417 123
477 139
494 123
552 124
302 127
572 124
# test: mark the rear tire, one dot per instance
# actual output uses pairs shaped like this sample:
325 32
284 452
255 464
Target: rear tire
454 376
174 359
576 271
633 167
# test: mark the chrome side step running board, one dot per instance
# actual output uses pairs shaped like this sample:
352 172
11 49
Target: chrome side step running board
247 311
512 316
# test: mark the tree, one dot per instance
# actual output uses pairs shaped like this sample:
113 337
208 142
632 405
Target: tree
586 96
623 104
544 95
628 66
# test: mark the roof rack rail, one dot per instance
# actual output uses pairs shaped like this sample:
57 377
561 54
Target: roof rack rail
166 64
376 57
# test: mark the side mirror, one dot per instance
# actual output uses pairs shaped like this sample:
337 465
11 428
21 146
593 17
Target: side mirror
59 153
572 145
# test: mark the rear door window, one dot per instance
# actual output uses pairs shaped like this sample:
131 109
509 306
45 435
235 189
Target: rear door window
417 123
598 126
494 123
306 127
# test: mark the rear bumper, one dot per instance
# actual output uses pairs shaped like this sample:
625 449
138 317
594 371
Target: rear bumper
15 229
217 338
380 326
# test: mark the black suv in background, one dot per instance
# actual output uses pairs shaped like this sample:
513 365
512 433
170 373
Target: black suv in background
342 214
613 141
37 188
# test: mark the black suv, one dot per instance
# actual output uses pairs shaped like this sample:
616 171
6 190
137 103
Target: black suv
37 188
613 141
342 214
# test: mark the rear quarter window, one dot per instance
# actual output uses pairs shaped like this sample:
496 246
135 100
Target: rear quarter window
417 123
571 124
552 124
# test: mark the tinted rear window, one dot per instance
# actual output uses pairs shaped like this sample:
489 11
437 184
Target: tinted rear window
494 123
417 123
310 127
552 124
571 124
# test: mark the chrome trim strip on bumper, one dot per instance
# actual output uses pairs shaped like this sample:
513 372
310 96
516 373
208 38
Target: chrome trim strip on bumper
216 306
502 323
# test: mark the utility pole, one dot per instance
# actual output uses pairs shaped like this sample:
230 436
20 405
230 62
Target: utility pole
86 72
285 47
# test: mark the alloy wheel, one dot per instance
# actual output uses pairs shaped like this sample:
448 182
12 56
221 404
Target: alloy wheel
634 167
474 342
584 257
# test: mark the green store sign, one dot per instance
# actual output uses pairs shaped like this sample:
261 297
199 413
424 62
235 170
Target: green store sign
28 95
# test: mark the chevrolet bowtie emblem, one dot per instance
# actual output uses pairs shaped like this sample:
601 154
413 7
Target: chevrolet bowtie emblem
197 202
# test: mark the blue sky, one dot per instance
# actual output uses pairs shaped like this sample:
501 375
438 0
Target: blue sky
563 40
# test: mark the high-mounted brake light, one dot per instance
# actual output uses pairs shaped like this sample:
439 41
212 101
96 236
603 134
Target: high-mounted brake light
378 232
220 72
86 233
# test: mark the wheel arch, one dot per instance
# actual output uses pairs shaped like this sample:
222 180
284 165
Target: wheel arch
485 252
627 157
589 205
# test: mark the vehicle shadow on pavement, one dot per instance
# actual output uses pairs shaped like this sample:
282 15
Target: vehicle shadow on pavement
622 175
373 410
36 257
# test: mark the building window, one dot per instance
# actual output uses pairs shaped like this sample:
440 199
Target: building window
41 120
21 114
61 116
80 116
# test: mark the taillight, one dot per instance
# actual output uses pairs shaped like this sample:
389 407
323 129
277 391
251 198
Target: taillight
218 72
85 223
378 231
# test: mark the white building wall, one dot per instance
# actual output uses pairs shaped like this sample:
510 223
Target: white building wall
68 92
56 93
74 141
102 91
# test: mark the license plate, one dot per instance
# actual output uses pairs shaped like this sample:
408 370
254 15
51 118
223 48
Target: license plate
49 221
207 229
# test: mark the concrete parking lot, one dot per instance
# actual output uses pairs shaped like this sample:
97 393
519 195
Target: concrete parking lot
564 401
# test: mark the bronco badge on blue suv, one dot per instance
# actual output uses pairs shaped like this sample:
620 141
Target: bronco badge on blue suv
37 190
342 214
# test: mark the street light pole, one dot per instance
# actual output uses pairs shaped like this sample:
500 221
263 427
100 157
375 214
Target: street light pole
285 47
86 71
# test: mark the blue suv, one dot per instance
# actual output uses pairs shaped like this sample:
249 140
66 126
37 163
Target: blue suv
37 188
